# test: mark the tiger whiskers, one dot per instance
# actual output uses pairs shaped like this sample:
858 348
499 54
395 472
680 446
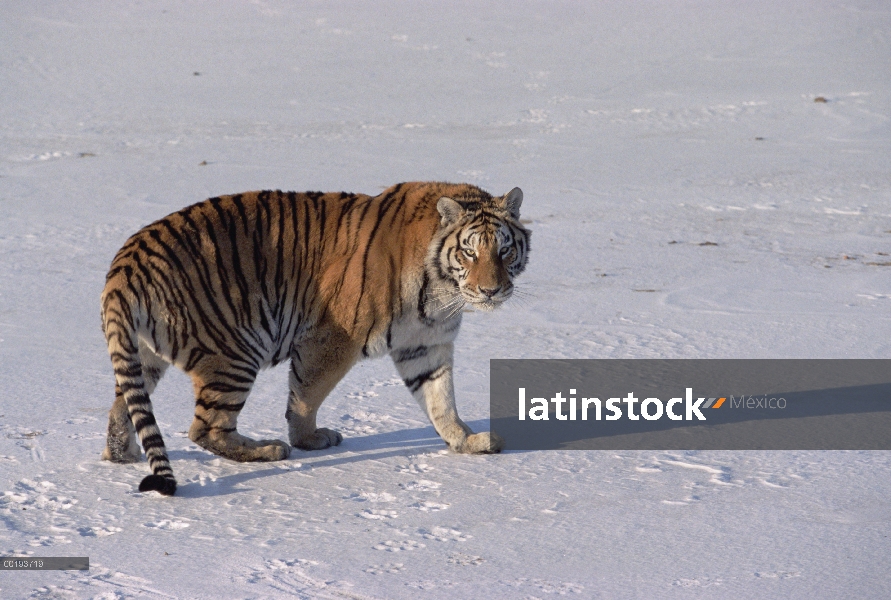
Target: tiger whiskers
522 296
459 303
444 299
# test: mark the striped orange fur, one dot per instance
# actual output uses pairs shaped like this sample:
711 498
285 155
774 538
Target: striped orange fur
231 285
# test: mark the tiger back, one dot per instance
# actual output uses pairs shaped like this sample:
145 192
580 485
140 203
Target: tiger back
234 284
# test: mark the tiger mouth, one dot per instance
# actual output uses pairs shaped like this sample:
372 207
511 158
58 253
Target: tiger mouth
485 304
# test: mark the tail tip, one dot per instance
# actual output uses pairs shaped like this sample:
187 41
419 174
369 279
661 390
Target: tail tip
166 486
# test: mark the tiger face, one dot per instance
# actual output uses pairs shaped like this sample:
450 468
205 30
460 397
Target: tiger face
484 247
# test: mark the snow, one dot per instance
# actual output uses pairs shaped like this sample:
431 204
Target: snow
688 198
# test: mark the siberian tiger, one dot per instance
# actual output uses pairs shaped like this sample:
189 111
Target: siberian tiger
231 285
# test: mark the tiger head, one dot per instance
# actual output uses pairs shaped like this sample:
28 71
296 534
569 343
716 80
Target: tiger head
482 247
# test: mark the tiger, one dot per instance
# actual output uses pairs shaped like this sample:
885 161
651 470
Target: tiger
235 284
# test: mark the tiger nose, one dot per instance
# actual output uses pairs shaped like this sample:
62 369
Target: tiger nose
489 292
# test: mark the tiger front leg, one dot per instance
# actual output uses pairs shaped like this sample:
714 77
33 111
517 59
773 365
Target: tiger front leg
317 365
427 372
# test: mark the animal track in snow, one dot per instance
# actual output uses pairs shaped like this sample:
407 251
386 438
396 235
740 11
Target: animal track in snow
33 446
277 564
34 494
378 515
202 478
399 546
47 540
429 506
696 582
115 585
719 475
415 469
361 395
44 156
466 560
357 430
548 587
86 436
385 568
431 584
65 591
80 420
444 534
687 465
371 497
98 531
166 524
27 439
648 469
290 579
421 485
777 574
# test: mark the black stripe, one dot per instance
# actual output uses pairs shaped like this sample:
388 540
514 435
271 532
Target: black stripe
213 405
407 354
224 388
237 200
153 440
422 293
384 206
294 368
246 380
415 383
132 370
195 355
368 338
208 293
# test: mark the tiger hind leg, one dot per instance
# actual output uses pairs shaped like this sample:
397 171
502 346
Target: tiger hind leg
220 393
136 372
122 445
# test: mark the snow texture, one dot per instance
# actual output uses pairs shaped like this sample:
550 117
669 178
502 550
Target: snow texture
702 179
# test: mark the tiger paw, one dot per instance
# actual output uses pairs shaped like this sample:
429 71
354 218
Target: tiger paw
321 439
234 446
272 450
487 442
114 453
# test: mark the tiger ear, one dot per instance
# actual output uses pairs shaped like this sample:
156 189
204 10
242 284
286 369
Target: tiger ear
449 210
512 201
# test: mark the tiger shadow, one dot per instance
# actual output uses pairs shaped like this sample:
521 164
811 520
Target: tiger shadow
405 442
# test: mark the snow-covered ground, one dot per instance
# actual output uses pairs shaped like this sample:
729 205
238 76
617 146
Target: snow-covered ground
689 195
